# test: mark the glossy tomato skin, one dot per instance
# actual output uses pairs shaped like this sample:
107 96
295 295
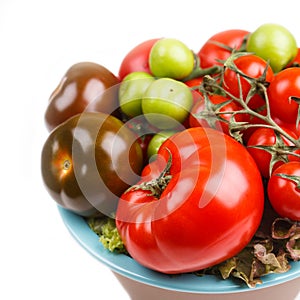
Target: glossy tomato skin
267 137
253 66
197 221
212 54
137 59
283 193
86 86
218 124
88 161
285 85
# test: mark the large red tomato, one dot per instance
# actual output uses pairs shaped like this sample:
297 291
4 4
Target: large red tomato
204 208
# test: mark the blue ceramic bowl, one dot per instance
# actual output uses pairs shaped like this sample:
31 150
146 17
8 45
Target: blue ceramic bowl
188 283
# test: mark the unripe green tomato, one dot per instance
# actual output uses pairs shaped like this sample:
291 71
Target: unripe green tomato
131 91
157 140
171 58
273 43
166 103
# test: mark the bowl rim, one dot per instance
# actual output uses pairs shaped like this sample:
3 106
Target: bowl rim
188 283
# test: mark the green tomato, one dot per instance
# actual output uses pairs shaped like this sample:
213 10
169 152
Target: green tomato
131 91
157 140
274 43
171 58
166 103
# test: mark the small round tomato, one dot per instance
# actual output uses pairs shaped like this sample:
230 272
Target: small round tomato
253 67
208 117
284 95
266 137
137 59
166 103
157 141
89 161
273 43
171 58
284 190
131 91
220 46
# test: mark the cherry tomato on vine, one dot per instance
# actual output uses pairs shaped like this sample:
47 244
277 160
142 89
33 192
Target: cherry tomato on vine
219 122
137 59
284 190
273 43
192 207
171 58
267 137
220 46
284 95
254 67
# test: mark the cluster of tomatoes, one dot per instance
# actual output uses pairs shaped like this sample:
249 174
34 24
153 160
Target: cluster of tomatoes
181 146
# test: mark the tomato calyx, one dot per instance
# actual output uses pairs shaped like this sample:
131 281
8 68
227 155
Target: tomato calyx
294 178
258 86
279 151
157 185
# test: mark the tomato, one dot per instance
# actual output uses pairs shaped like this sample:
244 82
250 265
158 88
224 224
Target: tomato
273 43
171 58
166 103
137 59
210 117
131 91
220 46
253 67
157 141
89 161
283 93
284 190
296 61
267 137
192 219
86 86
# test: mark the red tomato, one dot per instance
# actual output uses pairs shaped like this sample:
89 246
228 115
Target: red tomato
214 121
219 47
284 190
137 59
196 220
252 66
267 137
296 61
282 92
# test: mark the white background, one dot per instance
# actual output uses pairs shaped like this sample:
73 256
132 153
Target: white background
39 41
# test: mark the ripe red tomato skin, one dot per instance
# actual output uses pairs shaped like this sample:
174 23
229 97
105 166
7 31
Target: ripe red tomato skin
173 234
210 53
137 59
286 84
253 66
283 194
215 99
266 137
